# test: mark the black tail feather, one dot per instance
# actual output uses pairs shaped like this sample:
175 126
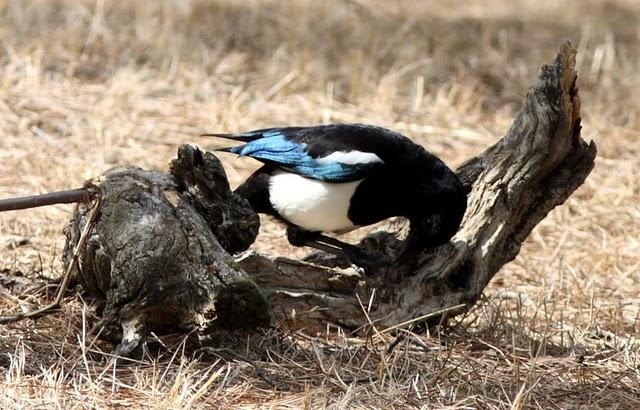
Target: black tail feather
234 137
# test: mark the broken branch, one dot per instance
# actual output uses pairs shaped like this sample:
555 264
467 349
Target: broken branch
68 196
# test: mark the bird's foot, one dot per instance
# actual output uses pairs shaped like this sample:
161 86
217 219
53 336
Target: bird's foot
342 250
363 259
354 254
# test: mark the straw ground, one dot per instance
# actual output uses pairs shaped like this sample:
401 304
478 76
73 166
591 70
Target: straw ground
85 86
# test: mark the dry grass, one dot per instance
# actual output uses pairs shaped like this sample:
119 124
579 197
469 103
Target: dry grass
88 85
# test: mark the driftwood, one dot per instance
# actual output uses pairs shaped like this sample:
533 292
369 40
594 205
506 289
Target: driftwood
160 250
513 185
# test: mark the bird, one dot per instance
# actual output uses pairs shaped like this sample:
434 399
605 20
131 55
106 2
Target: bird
338 177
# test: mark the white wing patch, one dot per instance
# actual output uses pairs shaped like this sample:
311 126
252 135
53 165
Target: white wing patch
350 157
311 204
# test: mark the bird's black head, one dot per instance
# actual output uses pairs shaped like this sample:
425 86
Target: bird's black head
440 204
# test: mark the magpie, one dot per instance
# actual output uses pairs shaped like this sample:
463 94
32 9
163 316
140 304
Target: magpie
339 177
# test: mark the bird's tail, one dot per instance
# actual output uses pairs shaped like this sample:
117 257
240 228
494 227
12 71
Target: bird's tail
250 135
245 137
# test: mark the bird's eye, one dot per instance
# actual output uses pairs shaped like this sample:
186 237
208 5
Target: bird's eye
431 223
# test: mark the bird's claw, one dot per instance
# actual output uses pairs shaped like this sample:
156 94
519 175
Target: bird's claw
362 259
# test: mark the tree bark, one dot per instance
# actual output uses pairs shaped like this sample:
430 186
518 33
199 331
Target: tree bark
512 186
160 252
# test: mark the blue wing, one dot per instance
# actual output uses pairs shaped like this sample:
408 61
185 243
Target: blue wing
285 149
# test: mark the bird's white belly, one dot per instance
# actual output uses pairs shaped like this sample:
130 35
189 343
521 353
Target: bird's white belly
311 204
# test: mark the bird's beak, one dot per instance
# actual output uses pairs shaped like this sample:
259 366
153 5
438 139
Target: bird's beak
412 245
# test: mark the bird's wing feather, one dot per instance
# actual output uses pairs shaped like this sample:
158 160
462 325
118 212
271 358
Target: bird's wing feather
334 153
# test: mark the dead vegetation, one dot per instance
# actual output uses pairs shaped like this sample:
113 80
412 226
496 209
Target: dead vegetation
88 85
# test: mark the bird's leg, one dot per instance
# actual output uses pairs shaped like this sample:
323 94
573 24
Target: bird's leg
346 248
301 237
355 254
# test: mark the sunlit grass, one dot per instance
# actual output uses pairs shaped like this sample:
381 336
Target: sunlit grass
85 86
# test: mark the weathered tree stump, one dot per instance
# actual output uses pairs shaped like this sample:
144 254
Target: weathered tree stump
160 252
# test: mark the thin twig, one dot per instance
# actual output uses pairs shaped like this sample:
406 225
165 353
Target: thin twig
222 351
59 197
67 275
423 317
